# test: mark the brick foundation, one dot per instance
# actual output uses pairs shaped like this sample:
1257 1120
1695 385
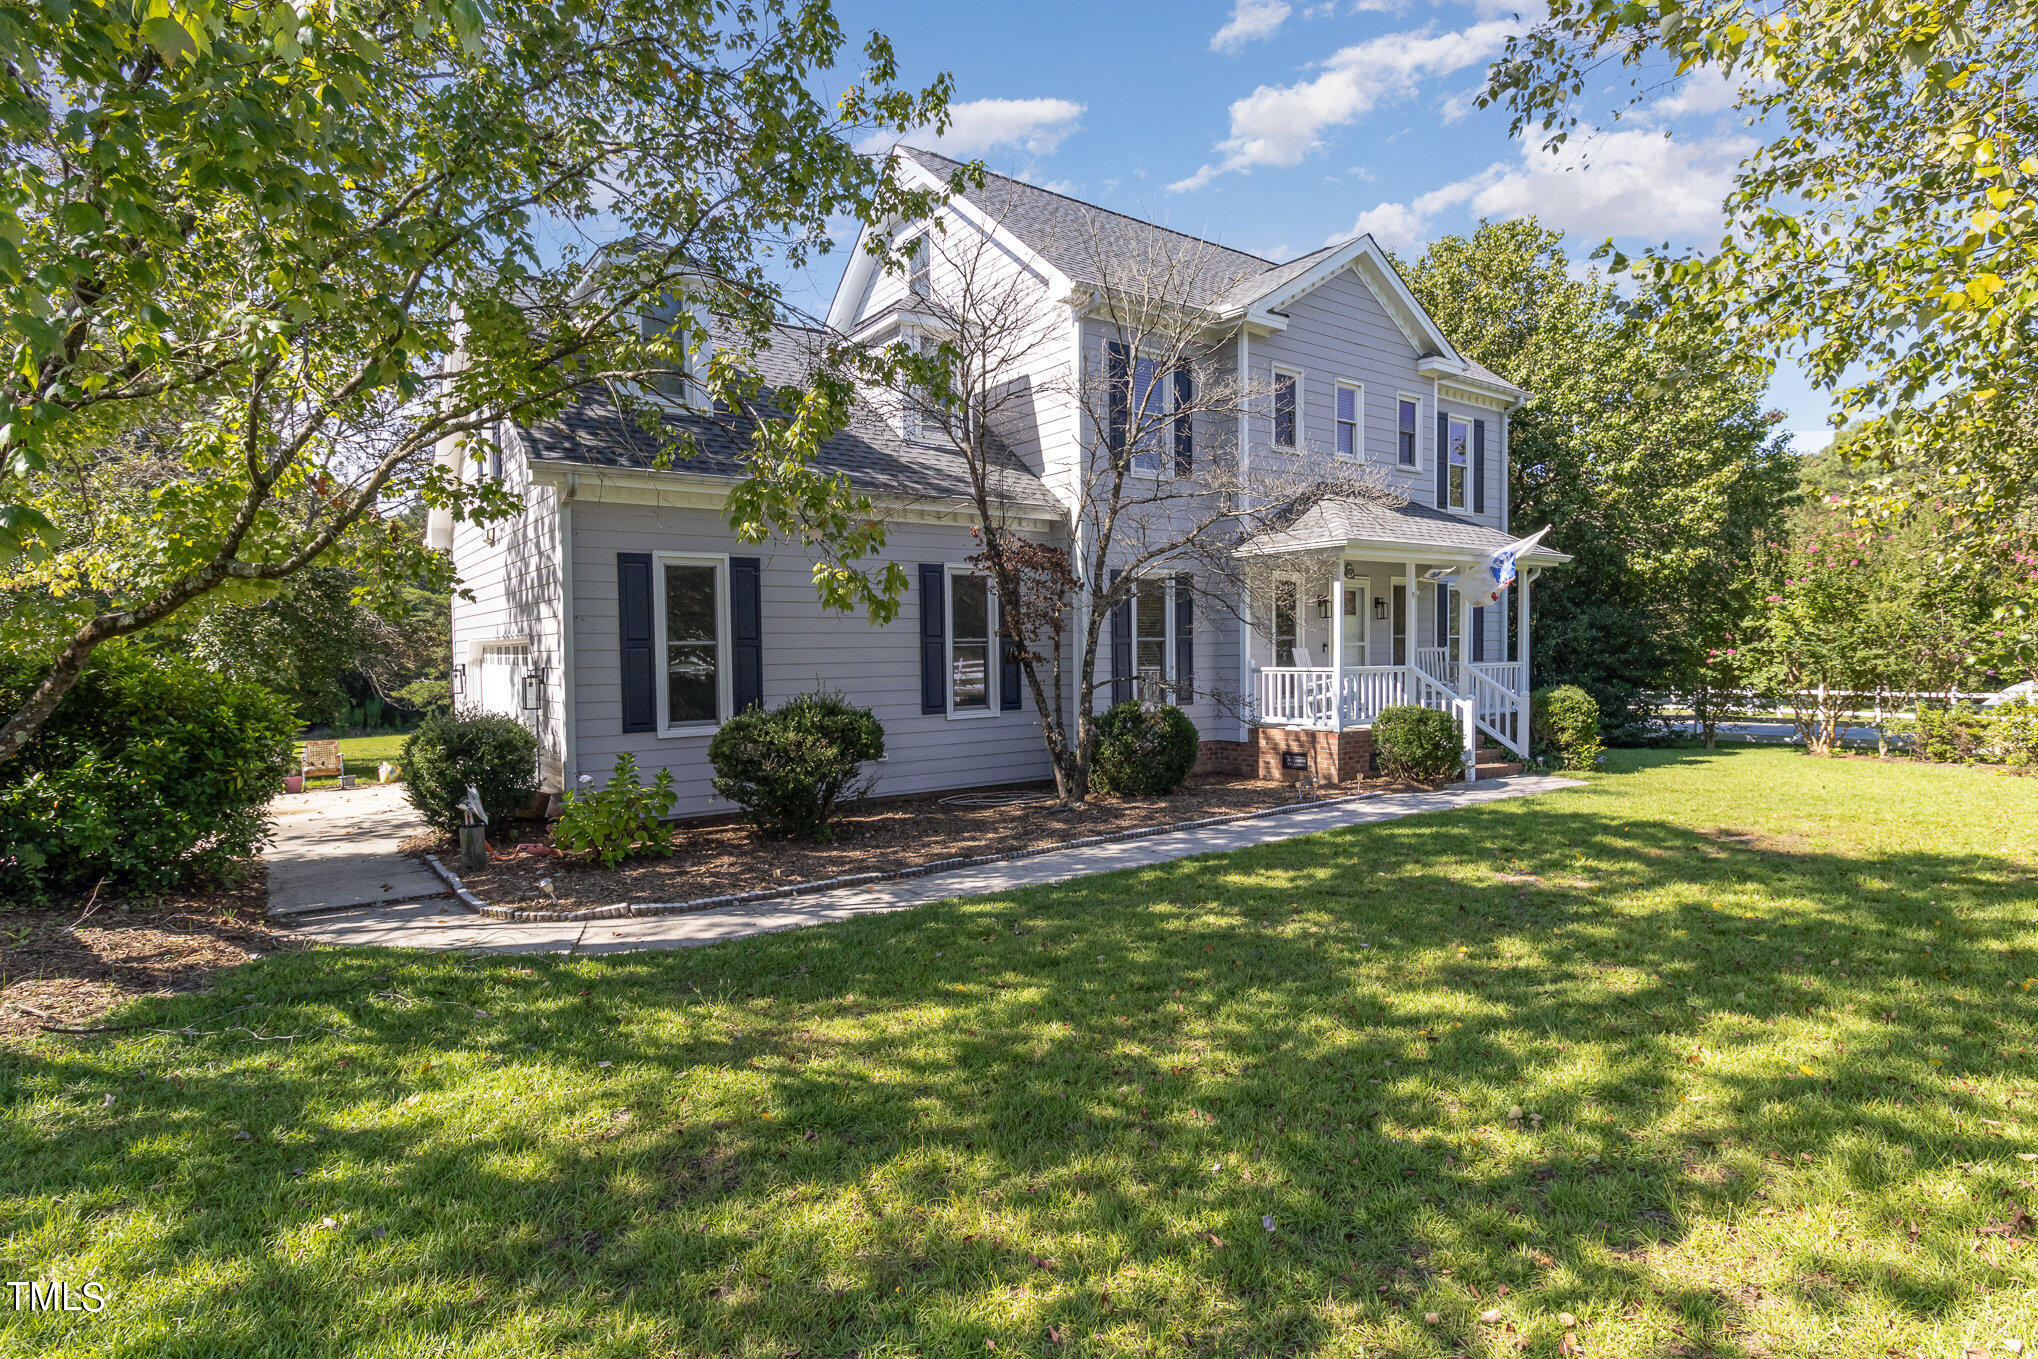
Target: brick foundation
1332 757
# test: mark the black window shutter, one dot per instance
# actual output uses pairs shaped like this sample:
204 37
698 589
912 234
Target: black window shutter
1185 425
746 630
1185 638
1121 648
634 626
1478 632
1443 614
933 639
1443 460
1478 467
1118 373
1011 682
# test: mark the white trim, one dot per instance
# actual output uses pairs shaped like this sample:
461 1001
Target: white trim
1358 422
1242 728
1275 373
991 695
567 688
1274 619
724 655
1464 505
1416 397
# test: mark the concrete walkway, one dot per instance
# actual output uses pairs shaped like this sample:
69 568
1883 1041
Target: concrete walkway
338 848
446 925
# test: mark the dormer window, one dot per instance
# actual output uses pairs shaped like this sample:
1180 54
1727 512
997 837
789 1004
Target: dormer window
919 269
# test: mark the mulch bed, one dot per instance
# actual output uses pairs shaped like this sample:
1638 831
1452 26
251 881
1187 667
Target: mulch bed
66 966
712 858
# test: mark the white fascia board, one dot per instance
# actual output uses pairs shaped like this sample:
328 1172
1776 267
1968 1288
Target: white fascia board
1363 254
1056 280
696 490
855 277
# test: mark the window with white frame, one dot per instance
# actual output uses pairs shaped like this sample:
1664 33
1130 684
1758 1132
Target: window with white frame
1153 398
1408 421
919 268
1287 621
971 677
1351 410
1458 443
693 624
1287 409
1153 650
916 420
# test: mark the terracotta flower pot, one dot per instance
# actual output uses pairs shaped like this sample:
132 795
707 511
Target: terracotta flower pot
293 783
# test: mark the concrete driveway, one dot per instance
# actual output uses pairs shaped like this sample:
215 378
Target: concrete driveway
338 848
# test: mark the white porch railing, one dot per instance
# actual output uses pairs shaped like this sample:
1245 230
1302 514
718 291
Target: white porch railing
1434 661
1315 697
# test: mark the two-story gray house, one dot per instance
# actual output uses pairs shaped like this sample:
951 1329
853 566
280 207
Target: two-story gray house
619 613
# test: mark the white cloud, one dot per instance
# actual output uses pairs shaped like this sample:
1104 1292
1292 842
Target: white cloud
1281 124
1632 183
1251 20
1035 126
1703 90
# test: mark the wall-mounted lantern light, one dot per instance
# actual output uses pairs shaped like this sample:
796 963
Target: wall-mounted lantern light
1380 609
533 689
459 685
1323 607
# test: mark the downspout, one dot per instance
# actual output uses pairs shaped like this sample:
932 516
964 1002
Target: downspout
1245 693
568 675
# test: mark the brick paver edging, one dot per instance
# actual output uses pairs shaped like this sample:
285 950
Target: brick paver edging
624 909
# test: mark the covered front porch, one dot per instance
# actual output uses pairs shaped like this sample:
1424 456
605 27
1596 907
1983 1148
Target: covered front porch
1349 619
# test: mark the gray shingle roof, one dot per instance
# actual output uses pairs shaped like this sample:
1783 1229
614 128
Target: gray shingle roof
595 432
1334 523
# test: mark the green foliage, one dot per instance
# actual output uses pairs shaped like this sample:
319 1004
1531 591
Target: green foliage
1882 227
1141 750
159 771
1647 450
1564 725
623 815
448 751
238 244
790 767
427 696
1417 743
1957 734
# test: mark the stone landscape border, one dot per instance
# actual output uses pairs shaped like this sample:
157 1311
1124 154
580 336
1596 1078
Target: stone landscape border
622 910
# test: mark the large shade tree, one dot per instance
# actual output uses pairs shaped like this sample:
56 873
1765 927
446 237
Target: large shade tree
1884 231
312 243
1644 445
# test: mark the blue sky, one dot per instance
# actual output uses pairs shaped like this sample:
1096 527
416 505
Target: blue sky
1279 125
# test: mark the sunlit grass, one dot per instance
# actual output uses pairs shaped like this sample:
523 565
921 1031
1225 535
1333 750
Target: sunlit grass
1724 1053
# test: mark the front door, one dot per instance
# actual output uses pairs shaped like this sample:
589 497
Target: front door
1356 604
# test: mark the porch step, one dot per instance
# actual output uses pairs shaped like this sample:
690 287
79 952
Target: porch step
1493 763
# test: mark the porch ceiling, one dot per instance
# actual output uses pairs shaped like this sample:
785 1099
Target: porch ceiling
1394 529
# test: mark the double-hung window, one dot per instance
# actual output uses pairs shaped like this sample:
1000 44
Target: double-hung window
919 268
1287 409
1405 431
693 622
1286 622
1151 642
971 676
919 419
1152 400
1351 406
1458 443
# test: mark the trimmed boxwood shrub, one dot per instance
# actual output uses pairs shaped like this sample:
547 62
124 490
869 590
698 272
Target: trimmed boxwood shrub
1417 743
152 770
1143 750
1564 726
448 751
789 768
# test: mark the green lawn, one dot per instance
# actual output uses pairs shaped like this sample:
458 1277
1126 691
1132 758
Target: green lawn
364 755
1766 1023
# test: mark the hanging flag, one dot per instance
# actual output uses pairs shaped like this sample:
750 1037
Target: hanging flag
1488 585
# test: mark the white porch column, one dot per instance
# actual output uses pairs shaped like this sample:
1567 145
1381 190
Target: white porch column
1464 643
1337 648
1411 631
1521 630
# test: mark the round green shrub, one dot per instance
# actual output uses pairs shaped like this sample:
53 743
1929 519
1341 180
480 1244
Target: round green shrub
1142 750
448 751
152 770
789 768
1420 744
1564 726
